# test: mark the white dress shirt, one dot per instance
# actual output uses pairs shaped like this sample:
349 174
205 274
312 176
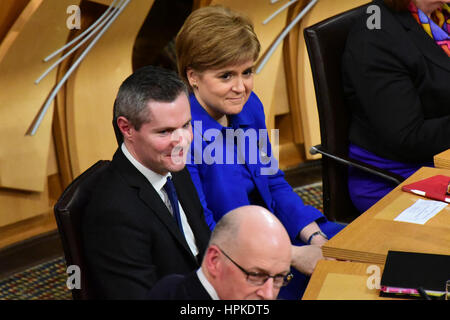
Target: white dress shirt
207 285
158 181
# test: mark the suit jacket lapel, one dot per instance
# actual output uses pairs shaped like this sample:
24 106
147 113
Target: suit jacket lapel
190 209
150 197
193 288
423 41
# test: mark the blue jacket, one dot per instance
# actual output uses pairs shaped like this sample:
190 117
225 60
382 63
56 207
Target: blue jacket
223 186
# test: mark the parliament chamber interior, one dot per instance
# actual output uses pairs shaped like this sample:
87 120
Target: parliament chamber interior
57 110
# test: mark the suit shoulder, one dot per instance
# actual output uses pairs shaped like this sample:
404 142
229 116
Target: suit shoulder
166 288
389 42
371 25
114 201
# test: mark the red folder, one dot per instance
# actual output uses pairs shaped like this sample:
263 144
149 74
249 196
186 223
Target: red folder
435 187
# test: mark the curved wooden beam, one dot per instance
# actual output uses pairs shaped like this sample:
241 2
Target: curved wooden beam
290 53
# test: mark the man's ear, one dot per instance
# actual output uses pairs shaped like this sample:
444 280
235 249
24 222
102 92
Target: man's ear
125 127
213 262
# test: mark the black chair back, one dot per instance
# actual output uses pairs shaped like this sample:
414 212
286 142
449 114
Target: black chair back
69 211
325 43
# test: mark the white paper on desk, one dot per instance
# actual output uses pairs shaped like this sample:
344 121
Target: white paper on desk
421 211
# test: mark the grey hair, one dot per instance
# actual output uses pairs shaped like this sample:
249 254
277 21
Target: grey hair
147 84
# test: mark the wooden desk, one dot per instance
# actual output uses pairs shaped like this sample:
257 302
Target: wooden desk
341 280
442 160
369 237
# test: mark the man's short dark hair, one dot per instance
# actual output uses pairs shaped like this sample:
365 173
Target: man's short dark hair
146 84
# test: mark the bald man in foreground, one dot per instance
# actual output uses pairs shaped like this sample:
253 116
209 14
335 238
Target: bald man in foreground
248 258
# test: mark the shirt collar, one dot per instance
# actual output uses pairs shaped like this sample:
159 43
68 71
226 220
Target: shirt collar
207 285
156 180
242 119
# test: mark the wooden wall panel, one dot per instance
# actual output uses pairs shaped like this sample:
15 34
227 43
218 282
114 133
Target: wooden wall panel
39 30
28 170
200 3
16 205
290 51
91 90
9 12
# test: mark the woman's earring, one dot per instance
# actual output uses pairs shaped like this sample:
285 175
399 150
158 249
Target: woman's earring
194 85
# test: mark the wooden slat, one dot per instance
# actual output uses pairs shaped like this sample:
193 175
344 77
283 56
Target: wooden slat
59 130
291 154
26 229
442 160
52 165
200 3
342 280
291 66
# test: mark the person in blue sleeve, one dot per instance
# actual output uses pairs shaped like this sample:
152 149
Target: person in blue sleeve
231 162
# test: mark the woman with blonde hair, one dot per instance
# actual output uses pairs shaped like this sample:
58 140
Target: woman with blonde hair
216 51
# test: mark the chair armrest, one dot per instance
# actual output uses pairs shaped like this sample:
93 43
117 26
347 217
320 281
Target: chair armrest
392 177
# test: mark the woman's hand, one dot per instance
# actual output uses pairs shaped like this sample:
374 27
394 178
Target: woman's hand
305 258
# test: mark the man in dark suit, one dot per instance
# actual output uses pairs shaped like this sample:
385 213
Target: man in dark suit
145 219
248 257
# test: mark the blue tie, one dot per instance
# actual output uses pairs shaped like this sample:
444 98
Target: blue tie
172 194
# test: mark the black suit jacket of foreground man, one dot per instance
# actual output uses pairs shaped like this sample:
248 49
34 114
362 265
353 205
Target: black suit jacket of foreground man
179 287
130 238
